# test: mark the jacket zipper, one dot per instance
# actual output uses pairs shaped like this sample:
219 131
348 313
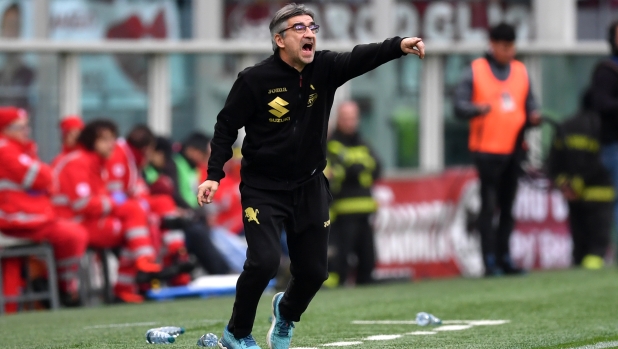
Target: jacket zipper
300 97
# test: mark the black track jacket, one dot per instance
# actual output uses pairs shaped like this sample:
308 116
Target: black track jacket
285 114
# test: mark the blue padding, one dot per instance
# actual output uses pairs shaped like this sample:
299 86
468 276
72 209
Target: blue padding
166 293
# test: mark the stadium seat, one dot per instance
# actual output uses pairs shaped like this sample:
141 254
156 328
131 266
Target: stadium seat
21 248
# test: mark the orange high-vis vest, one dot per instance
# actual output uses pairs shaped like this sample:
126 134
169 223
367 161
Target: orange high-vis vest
497 131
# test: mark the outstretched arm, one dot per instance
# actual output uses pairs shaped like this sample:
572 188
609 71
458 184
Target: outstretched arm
363 58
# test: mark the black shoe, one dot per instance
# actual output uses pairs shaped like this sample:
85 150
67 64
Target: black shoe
70 300
510 268
493 271
184 262
491 268
174 223
166 274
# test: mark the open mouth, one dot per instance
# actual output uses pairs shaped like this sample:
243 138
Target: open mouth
308 47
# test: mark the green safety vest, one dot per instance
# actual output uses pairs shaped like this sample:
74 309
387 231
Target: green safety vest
151 174
187 180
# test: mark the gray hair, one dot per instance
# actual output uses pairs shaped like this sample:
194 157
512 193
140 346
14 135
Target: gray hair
279 21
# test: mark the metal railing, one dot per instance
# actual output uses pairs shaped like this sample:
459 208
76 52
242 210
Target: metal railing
159 107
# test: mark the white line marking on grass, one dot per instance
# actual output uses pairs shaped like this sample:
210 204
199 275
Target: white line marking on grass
446 322
421 333
129 324
452 328
384 322
303 348
383 337
488 322
207 321
599 345
341 344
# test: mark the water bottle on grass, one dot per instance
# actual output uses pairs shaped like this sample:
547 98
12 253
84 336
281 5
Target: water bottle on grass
172 330
209 340
154 336
424 319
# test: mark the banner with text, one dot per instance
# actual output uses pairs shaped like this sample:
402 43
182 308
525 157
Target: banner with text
432 20
425 226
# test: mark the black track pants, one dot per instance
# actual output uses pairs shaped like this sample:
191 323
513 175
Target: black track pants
591 225
304 214
352 233
498 175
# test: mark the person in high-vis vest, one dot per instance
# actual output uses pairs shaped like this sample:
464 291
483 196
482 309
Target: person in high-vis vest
352 170
575 165
26 210
496 97
604 99
191 164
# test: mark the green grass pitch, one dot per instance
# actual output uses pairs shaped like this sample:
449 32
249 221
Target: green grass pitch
557 309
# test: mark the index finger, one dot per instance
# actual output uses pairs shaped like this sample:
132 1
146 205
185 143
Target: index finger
200 195
420 45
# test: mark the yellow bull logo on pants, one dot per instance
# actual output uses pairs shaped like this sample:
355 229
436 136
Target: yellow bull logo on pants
251 215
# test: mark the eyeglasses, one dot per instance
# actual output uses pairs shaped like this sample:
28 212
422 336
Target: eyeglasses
301 28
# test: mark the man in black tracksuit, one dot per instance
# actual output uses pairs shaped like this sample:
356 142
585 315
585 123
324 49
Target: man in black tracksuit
284 103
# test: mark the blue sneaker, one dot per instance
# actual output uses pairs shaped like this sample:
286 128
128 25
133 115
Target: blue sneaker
280 333
228 341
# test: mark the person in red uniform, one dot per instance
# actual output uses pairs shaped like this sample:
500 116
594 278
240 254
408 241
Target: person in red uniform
81 195
71 126
124 168
25 207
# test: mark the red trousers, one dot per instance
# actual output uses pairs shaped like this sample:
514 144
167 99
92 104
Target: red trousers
173 241
69 241
126 227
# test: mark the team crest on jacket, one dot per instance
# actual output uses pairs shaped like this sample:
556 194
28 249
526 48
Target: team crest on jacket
251 215
312 98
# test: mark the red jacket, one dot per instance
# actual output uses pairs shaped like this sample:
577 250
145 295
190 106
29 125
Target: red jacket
24 187
123 172
65 150
79 186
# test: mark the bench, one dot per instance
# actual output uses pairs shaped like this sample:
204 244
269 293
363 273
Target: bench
11 247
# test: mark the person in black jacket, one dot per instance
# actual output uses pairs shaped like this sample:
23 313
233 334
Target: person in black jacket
604 90
352 170
574 164
284 103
